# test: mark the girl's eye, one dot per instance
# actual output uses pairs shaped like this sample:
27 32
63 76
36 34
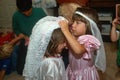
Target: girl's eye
78 22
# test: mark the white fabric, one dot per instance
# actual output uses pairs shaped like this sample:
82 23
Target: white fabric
100 61
51 69
39 40
44 3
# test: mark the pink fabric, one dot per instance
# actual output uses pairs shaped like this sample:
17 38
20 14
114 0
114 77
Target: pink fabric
83 68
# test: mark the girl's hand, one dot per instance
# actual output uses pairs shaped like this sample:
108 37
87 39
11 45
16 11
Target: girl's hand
115 22
16 39
26 40
64 25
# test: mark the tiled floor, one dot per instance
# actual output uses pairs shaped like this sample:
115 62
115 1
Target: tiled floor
111 72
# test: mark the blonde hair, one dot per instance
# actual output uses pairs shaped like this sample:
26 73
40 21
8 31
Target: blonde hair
5 50
67 9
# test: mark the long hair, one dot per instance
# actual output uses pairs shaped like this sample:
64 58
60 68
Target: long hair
91 13
56 38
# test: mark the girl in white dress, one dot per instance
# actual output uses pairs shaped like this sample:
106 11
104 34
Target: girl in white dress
52 66
43 61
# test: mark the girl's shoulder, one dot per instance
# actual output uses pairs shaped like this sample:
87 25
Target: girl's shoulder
17 14
88 39
50 60
87 36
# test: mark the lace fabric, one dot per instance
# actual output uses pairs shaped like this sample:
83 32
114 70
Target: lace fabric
39 40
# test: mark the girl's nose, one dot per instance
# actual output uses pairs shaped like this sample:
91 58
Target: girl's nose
73 26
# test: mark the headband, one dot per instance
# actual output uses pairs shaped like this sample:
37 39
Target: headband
100 60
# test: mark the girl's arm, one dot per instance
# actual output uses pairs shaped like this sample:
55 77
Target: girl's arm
114 34
16 39
76 47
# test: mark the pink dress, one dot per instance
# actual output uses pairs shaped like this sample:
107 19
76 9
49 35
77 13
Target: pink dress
83 68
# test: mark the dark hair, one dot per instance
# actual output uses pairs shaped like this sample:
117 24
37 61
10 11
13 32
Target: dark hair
91 13
56 38
23 5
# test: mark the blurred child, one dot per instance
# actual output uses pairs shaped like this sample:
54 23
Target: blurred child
115 36
23 21
7 42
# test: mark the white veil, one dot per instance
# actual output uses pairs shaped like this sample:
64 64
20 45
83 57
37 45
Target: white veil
39 40
100 60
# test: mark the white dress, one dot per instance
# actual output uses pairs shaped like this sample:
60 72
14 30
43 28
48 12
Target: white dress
51 69
39 40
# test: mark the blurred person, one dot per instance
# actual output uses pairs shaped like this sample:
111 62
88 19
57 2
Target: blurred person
115 37
23 21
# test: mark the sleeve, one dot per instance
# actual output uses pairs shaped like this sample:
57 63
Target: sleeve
15 25
90 43
51 71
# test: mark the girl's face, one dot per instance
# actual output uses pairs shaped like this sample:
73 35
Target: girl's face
61 46
78 28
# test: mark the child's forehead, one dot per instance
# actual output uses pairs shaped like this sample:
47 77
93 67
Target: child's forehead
77 17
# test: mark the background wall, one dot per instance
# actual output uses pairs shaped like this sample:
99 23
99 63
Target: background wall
7 8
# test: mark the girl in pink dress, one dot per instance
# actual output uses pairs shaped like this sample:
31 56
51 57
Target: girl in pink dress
84 42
